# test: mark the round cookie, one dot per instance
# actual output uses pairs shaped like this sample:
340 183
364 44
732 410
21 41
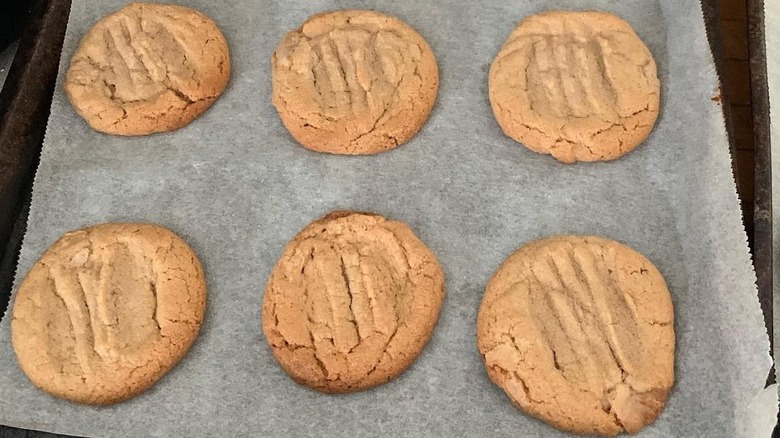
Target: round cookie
578 331
354 82
581 86
351 302
107 311
148 68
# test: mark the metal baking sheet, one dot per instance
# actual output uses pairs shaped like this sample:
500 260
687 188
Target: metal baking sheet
237 187
772 27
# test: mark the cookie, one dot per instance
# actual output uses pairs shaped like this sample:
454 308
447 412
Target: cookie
107 311
351 302
354 82
578 331
580 86
148 68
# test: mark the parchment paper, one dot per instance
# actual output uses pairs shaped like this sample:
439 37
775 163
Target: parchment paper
237 187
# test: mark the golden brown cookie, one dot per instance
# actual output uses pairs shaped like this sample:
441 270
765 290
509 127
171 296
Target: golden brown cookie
148 68
354 82
578 331
107 311
581 86
352 302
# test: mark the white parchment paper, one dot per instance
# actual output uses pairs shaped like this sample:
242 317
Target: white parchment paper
237 187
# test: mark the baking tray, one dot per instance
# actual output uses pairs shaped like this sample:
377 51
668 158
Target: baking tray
760 234
762 224
24 105
25 101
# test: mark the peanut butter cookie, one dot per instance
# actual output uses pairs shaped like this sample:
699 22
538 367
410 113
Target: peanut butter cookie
148 68
578 331
107 311
354 82
581 86
352 302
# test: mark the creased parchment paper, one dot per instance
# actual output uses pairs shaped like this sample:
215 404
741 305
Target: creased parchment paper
237 187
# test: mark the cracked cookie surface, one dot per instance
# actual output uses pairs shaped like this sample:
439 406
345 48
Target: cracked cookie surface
578 331
352 302
354 82
107 311
148 68
580 86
